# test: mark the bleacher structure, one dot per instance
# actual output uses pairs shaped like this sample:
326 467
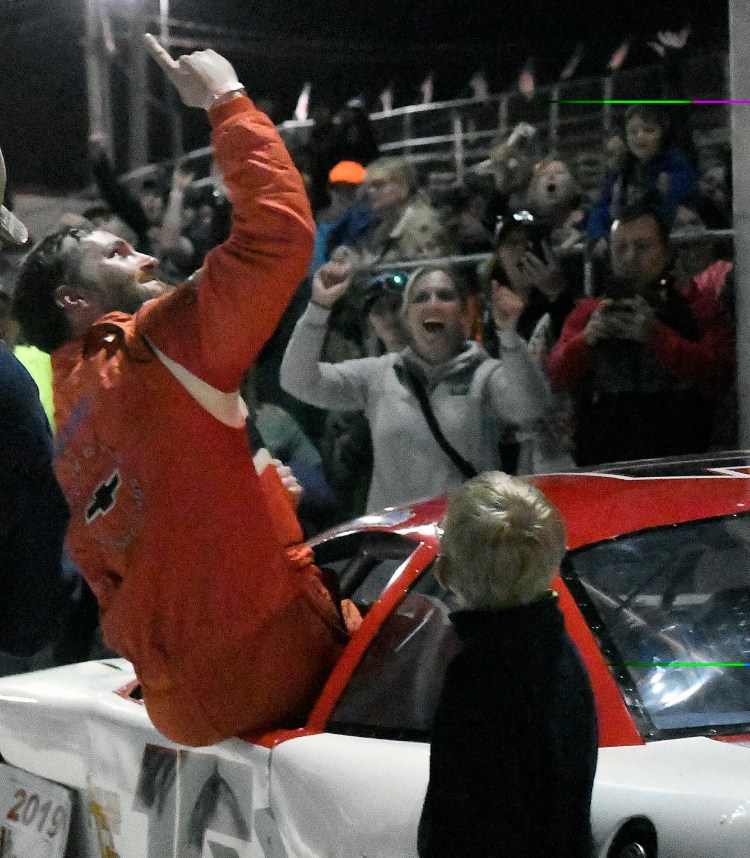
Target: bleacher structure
449 137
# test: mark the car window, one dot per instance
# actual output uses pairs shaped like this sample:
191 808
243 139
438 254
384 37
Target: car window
671 607
360 565
394 691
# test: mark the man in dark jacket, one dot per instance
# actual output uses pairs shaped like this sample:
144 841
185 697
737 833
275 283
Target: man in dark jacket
643 362
35 587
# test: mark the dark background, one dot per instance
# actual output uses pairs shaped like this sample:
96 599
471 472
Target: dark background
345 48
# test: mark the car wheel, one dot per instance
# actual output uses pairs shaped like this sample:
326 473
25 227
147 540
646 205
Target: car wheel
637 840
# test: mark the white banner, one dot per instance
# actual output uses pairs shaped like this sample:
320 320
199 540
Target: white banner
34 815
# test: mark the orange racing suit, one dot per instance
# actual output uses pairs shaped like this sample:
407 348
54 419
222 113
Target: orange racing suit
200 583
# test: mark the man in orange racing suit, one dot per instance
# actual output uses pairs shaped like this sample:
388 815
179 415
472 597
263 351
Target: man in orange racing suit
200 584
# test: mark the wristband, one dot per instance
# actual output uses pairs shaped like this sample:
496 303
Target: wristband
228 96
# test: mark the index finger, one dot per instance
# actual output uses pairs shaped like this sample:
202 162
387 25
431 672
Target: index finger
159 53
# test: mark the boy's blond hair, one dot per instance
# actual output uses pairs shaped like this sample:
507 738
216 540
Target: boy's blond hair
502 542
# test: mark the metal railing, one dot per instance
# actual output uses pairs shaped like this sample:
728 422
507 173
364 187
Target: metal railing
456 134
452 136
677 238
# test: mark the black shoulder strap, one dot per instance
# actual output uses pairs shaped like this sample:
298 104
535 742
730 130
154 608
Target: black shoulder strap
466 468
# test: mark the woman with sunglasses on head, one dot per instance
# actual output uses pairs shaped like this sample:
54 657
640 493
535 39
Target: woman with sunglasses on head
471 398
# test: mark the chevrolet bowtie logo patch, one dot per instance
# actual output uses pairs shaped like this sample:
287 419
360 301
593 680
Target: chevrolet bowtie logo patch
103 498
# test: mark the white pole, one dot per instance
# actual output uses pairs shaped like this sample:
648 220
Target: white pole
459 154
98 123
170 99
554 118
502 121
138 90
607 90
739 80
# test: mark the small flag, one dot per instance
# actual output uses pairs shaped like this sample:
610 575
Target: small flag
106 24
618 57
526 80
427 89
303 103
572 64
386 98
670 39
479 88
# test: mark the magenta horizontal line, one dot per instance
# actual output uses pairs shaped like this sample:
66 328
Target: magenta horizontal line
720 101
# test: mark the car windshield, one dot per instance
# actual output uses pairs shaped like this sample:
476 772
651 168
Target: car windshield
671 608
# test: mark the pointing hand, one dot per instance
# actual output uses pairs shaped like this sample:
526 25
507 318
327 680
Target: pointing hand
200 77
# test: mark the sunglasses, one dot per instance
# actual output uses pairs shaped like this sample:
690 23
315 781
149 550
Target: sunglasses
389 284
388 281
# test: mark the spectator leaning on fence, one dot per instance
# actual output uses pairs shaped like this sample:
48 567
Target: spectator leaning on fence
407 226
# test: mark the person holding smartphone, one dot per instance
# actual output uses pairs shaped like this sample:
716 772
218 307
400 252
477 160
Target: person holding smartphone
643 362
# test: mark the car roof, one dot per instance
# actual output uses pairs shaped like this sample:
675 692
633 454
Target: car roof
609 501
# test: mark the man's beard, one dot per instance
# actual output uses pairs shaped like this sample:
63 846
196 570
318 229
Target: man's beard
132 296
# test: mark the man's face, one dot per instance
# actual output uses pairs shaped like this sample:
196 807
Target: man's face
386 193
116 275
713 184
697 254
639 254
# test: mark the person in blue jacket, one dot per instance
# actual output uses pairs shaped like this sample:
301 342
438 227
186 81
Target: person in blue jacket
653 168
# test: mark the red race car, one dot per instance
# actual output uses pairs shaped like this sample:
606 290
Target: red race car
655 588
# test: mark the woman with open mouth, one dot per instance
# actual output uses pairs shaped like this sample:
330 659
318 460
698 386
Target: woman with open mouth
468 399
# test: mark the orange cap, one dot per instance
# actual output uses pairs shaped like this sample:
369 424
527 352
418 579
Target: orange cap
347 171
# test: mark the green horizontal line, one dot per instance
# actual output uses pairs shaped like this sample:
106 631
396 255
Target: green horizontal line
682 664
621 101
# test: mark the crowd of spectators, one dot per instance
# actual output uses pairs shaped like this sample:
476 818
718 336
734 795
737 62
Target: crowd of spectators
162 486
624 301
603 266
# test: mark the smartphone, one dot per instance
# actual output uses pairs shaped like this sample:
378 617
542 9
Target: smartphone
618 287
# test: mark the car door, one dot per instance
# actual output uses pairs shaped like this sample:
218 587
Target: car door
357 788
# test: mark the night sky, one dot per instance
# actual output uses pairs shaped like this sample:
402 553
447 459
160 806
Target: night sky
345 48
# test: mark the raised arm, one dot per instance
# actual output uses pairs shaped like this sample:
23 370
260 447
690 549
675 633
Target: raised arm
518 390
118 196
326 385
224 315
